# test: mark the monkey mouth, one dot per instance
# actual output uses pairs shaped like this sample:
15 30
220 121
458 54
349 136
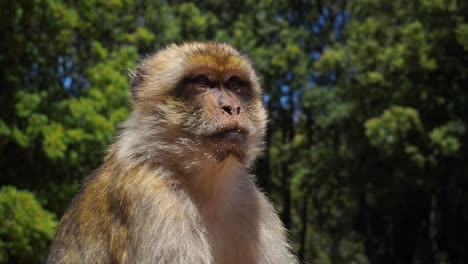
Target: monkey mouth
229 141
230 135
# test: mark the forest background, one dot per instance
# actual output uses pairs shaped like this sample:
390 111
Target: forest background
367 153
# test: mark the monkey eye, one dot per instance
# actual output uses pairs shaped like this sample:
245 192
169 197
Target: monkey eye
234 83
201 80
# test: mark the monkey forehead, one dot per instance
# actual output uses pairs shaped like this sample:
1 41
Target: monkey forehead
171 64
222 67
218 55
221 57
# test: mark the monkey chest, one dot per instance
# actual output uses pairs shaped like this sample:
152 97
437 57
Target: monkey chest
233 239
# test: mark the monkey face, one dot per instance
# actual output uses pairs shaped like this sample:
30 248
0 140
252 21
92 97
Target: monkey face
220 102
204 95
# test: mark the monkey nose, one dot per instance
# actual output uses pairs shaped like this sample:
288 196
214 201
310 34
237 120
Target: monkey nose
230 110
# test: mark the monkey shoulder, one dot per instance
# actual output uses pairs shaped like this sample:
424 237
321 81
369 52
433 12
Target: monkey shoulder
82 231
273 242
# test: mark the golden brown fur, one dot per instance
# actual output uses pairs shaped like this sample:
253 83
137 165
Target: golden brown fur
175 186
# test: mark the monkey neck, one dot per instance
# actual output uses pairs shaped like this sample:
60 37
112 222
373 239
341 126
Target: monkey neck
215 182
206 179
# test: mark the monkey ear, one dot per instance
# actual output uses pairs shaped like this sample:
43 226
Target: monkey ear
136 77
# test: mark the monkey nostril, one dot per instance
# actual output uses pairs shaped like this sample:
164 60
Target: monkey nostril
227 109
238 110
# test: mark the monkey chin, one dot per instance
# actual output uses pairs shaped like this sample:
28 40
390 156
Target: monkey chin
230 142
223 154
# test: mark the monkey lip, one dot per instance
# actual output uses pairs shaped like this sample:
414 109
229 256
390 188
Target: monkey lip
231 134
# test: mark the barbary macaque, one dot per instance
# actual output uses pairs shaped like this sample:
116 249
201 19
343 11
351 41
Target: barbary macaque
175 186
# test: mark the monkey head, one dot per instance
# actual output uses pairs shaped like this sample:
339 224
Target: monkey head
197 101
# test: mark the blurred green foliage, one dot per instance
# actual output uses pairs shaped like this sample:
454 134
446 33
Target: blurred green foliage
26 227
367 155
